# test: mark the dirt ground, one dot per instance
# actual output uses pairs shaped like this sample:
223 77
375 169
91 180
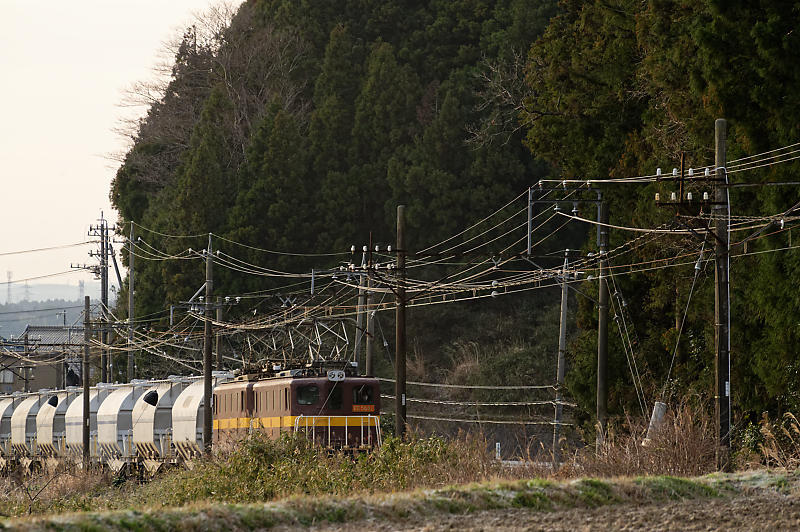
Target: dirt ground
764 512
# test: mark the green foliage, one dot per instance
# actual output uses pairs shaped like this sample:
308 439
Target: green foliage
676 488
303 126
621 88
261 469
595 492
300 128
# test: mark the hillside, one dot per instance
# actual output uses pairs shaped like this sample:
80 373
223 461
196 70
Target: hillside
292 133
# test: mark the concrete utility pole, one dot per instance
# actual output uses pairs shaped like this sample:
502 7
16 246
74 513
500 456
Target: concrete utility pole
217 337
602 320
560 368
87 336
208 336
104 376
400 326
131 357
370 355
722 317
360 306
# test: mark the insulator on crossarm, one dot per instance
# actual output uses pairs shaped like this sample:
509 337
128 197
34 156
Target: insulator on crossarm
674 171
705 196
658 196
689 196
691 172
658 172
673 196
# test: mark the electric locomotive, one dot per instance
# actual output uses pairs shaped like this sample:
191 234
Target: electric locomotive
332 405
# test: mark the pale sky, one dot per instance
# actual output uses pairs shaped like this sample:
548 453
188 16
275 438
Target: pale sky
64 66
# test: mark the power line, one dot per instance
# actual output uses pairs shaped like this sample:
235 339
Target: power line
65 246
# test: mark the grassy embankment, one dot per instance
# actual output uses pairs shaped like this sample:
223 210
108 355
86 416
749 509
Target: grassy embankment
264 483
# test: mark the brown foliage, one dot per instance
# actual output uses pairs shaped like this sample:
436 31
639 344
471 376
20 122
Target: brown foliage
683 446
781 445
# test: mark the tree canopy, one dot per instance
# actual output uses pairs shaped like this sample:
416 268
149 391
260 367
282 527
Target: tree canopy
302 125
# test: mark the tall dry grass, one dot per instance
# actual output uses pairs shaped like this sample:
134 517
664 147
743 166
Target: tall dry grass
65 489
780 445
684 445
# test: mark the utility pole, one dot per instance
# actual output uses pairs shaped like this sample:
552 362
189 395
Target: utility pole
360 307
560 368
722 317
87 336
400 326
104 376
369 370
131 358
208 335
602 320
218 337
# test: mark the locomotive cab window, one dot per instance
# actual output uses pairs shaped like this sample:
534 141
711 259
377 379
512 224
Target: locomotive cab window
362 395
308 395
335 397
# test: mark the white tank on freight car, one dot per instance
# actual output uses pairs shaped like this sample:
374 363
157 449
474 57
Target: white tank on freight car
152 423
115 424
187 418
50 426
74 425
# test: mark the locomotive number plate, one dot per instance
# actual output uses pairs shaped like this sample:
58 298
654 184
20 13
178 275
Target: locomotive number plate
363 408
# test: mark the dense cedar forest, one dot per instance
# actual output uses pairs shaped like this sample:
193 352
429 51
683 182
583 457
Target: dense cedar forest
301 125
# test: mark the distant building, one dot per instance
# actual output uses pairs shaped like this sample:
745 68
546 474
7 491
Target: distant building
44 356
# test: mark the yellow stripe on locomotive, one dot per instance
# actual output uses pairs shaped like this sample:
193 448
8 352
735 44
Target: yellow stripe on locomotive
339 412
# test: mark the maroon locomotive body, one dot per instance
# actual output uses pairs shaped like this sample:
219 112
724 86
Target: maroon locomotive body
334 409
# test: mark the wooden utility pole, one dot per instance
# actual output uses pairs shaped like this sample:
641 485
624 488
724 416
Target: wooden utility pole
722 361
400 326
602 320
131 358
87 336
560 367
208 336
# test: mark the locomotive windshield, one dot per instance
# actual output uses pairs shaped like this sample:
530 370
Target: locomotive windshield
308 395
335 397
362 395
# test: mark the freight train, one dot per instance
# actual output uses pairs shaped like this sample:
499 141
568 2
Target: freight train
143 426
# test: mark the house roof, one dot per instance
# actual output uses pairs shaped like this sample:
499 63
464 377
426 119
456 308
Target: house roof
51 337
